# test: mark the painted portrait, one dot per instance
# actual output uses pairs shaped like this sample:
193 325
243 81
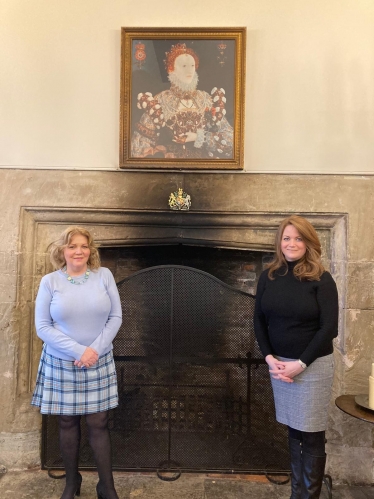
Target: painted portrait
180 102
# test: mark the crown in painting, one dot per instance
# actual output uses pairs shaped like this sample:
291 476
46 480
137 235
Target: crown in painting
176 51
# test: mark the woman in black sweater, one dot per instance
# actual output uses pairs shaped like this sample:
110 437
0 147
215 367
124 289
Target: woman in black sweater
296 319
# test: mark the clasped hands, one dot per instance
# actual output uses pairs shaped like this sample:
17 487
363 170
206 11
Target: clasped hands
283 370
88 359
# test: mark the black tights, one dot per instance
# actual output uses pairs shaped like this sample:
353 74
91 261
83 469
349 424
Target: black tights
313 443
98 436
69 436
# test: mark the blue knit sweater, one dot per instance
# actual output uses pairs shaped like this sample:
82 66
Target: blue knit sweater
71 317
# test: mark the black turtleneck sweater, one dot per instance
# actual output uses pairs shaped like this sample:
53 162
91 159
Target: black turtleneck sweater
296 319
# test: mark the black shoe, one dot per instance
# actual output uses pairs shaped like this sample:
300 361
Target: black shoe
312 475
296 466
78 491
78 488
100 492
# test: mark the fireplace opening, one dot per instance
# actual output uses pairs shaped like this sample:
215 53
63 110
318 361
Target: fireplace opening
238 268
194 390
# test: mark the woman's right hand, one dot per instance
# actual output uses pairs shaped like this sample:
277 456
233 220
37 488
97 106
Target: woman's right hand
276 369
88 359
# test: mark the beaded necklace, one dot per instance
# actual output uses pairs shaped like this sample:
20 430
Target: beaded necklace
73 281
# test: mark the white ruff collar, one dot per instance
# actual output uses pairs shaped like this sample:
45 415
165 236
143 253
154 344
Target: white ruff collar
185 87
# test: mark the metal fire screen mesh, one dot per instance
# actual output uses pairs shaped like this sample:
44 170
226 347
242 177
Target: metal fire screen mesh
194 389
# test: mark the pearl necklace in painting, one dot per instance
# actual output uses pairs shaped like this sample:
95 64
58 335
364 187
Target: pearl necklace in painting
73 281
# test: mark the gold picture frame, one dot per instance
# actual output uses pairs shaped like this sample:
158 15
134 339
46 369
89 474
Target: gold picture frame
182 98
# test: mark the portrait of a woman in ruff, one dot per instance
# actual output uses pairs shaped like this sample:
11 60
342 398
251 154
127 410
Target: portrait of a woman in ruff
182 100
183 122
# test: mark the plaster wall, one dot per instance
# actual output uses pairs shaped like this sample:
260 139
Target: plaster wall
309 102
347 198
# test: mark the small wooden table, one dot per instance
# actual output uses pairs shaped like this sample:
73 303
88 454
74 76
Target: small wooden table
347 404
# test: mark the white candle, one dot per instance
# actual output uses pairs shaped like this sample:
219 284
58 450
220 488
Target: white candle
371 392
372 370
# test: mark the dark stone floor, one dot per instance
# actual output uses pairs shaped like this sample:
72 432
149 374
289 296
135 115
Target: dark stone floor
36 484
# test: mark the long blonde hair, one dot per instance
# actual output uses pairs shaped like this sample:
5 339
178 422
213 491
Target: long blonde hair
57 248
309 267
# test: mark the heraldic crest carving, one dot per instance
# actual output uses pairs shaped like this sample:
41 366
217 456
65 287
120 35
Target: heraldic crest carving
180 200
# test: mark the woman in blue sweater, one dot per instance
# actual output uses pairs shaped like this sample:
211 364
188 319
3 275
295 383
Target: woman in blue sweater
77 315
296 319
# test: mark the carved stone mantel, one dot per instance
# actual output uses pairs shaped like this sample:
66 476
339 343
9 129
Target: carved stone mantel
112 228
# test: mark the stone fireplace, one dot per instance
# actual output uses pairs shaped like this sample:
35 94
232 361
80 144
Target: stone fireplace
117 228
229 211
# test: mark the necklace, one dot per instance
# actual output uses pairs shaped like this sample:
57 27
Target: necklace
183 93
73 281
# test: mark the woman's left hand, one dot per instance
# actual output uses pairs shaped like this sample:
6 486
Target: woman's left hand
291 369
88 359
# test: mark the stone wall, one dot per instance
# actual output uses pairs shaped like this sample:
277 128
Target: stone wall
35 203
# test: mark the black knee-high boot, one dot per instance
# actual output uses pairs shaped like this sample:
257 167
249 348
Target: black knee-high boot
296 467
313 464
313 471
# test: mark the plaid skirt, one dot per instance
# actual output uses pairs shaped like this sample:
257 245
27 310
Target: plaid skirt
303 404
62 388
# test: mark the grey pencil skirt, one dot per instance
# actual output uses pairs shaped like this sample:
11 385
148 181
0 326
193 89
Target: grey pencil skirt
303 404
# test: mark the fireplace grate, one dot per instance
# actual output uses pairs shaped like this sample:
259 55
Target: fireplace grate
184 413
194 390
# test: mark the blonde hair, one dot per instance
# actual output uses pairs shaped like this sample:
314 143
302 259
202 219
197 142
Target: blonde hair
57 248
309 267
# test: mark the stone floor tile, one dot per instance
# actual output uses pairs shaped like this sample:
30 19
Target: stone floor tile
27 485
344 492
243 489
186 487
36 484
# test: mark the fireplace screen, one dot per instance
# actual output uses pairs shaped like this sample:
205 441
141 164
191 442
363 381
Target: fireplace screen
194 390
